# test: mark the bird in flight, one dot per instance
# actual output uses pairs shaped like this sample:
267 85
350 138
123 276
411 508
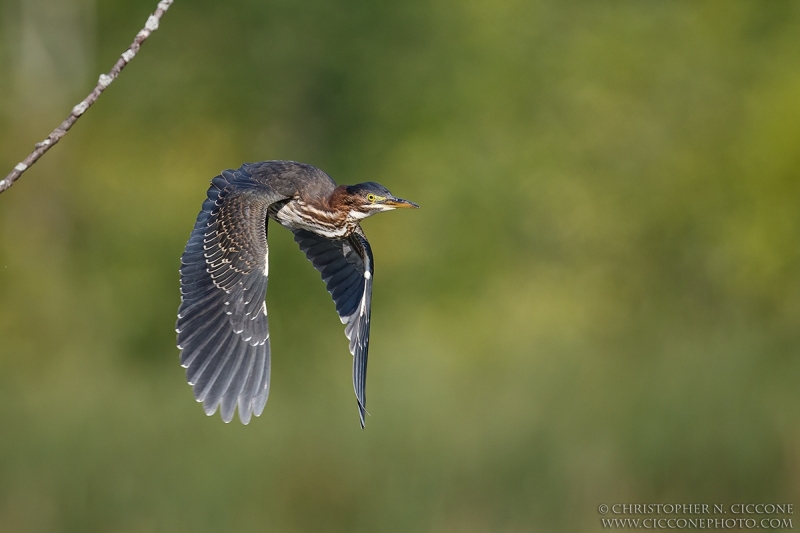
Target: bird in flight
222 327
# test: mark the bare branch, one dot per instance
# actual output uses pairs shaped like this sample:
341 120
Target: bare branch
105 80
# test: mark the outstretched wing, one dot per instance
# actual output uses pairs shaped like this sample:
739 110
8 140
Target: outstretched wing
346 267
222 327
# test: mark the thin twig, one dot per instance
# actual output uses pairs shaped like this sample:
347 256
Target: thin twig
105 80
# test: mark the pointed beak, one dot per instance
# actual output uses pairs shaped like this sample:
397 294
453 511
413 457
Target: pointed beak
399 203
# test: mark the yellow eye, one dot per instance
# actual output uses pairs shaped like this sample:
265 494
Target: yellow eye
371 197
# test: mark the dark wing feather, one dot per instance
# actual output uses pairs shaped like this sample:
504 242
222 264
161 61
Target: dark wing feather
223 333
346 267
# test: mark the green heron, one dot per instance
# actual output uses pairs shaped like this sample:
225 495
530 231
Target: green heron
222 326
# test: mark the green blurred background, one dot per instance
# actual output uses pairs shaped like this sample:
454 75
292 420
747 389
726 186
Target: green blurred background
598 302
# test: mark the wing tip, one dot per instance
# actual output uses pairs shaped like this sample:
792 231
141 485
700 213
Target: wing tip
246 410
362 414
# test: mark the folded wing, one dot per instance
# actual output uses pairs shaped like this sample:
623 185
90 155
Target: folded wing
346 267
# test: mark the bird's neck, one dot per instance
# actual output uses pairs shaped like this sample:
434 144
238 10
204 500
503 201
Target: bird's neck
339 200
334 208
331 217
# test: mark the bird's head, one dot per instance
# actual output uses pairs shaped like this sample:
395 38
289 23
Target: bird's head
366 199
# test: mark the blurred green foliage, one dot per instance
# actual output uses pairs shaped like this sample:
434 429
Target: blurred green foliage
598 301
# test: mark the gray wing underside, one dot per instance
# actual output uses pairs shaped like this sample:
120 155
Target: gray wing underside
222 326
346 267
